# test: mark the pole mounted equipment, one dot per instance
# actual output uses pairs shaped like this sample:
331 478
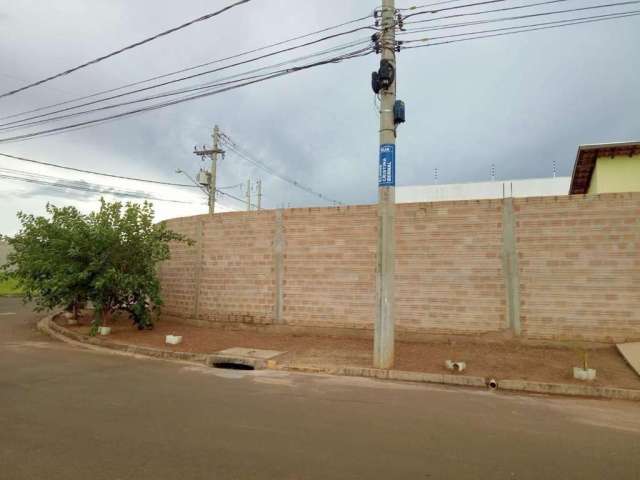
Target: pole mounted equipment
212 153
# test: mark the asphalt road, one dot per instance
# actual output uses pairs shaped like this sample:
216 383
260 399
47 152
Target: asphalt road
68 413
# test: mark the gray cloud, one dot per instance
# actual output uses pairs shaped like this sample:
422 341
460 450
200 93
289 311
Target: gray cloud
519 101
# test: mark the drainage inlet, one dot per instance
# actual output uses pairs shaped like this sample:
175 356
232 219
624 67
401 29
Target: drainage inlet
233 366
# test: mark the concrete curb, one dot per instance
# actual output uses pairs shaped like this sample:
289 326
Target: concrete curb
568 389
399 375
49 327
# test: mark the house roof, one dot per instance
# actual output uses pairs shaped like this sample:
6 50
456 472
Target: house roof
586 161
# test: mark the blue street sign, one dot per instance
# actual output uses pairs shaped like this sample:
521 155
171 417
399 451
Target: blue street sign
387 166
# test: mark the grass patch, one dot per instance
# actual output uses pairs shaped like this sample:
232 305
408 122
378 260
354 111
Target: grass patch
9 287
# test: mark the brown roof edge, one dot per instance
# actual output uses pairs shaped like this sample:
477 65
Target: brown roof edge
586 161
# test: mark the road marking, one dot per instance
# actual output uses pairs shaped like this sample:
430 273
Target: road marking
7 313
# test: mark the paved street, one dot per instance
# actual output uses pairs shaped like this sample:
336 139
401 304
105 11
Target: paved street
69 414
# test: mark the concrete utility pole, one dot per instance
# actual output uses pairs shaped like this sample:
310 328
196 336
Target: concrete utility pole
383 343
249 194
259 186
212 153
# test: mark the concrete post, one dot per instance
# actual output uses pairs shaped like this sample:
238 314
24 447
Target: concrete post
259 187
198 266
278 267
510 266
383 342
249 194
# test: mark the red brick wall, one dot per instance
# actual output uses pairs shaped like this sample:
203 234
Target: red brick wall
329 266
177 275
579 267
237 281
579 261
449 268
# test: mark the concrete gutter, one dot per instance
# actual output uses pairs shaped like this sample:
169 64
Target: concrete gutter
49 327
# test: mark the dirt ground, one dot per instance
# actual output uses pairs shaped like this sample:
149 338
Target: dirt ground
504 360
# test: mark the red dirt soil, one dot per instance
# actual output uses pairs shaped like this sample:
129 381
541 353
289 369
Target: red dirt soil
501 360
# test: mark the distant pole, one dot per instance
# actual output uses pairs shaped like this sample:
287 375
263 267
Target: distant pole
554 169
212 153
384 334
259 185
249 194
215 136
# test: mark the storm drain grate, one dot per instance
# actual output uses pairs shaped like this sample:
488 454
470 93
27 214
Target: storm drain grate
233 366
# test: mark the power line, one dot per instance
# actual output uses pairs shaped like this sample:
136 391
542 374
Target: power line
466 5
338 59
415 7
518 7
207 72
217 189
233 146
93 172
524 29
609 16
500 19
175 72
83 186
235 198
46 117
128 47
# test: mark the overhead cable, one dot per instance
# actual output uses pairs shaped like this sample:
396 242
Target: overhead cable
568 23
46 117
466 5
80 185
123 49
500 19
93 172
288 71
518 7
225 67
234 147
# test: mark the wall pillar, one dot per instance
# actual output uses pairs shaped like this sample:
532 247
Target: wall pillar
510 266
198 266
278 267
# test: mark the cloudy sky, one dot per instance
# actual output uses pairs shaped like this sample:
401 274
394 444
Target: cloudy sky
518 101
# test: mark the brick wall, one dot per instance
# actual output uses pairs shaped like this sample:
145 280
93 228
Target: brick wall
178 275
329 266
578 267
448 267
579 260
237 281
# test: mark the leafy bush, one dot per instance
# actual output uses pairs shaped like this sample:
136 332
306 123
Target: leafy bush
108 258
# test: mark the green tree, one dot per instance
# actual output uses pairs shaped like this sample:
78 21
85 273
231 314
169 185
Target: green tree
48 258
108 257
127 247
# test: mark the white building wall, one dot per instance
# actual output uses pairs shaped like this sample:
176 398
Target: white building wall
533 187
